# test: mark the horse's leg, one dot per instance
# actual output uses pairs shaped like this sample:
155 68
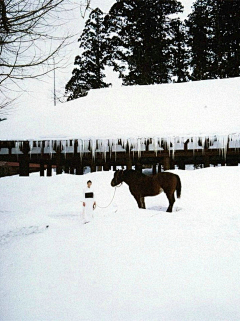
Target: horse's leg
138 200
142 202
171 200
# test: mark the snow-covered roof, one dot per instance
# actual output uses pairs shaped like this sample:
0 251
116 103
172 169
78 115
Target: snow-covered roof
201 108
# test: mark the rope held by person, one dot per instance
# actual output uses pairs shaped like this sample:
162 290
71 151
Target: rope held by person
112 198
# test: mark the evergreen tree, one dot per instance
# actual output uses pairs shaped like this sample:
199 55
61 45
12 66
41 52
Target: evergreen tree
140 39
200 30
229 22
214 39
90 64
180 54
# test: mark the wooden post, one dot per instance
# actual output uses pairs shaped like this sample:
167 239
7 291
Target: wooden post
24 160
206 156
79 167
129 164
58 160
139 167
186 145
41 167
49 168
154 169
181 164
172 164
159 168
166 163
206 161
23 165
42 163
72 168
93 167
75 160
106 167
66 167
147 145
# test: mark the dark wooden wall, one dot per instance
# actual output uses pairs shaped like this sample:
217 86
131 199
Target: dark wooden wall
71 160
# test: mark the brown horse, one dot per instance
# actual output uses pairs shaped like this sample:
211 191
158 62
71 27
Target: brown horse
141 185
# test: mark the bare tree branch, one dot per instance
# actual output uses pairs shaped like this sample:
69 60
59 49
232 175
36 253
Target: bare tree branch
31 34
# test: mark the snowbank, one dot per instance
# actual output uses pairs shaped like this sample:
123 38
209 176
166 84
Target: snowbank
128 264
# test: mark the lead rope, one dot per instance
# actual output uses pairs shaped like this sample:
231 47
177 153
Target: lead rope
111 199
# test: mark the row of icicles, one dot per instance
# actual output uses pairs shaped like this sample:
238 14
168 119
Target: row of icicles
138 145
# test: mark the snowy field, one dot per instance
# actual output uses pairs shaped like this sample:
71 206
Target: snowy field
127 264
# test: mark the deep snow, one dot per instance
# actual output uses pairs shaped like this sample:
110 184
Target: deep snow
127 264
201 108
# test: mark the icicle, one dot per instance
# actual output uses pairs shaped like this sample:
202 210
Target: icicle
139 146
31 145
144 144
234 141
212 140
154 144
178 143
41 145
195 143
173 141
129 144
203 141
168 141
110 144
160 143
17 145
182 141
38 146
106 148
64 146
115 148
124 143
51 147
30 148
45 146
80 147
225 145
93 147
237 141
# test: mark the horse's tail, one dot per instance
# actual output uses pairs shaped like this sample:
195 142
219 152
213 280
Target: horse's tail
179 187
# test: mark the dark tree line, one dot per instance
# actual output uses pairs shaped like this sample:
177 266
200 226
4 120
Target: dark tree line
213 30
146 43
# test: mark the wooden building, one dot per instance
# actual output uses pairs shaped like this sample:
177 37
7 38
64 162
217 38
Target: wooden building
71 157
162 126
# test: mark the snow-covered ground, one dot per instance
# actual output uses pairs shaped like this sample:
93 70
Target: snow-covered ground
127 264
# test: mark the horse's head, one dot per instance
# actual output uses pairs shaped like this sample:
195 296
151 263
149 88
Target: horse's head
117 178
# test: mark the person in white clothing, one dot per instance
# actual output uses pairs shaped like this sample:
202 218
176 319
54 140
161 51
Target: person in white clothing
89 203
